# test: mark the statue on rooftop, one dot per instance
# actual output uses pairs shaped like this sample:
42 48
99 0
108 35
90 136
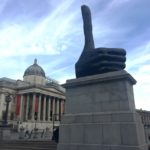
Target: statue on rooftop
97 60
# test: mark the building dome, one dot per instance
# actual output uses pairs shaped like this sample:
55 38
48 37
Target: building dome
35 70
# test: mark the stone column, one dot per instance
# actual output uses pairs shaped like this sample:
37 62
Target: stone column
49 108
33 106
21 110
63 106
27 107
39 109
60 109
2 99
53 111
57 110
9 110
44 108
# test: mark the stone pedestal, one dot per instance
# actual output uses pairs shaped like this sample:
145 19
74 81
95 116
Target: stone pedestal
5 133
100 114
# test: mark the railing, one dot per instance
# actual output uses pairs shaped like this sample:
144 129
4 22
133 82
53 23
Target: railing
35 134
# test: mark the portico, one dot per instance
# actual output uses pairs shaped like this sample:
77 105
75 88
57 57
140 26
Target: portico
44 106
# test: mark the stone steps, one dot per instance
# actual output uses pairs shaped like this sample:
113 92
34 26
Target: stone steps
28 145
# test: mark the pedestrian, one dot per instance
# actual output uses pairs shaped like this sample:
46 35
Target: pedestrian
55 136
30 134
27 133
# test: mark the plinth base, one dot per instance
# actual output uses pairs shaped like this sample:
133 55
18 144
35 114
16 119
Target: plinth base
100 114
98 147
5 133
102 131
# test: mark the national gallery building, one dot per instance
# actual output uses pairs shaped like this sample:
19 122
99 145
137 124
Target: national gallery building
35 102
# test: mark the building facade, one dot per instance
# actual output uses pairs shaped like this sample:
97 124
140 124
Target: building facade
36 102
145 117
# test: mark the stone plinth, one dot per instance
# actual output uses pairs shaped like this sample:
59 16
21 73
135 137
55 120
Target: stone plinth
100 114
5 133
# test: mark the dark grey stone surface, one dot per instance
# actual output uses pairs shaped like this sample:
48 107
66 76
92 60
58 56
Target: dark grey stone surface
5 133
100 114
101 93
97 60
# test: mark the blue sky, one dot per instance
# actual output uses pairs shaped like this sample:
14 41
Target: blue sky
52 32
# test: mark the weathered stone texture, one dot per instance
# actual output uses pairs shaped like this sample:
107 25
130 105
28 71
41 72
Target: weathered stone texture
100 114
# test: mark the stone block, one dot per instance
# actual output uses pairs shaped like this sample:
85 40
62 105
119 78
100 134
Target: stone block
101 118
124 106
77 133
126 147
123 117
140 132
84 118
64 133
5 133
129 134
77 103
114 106
78 146
101 96
66 119
111 134
100 114
93 134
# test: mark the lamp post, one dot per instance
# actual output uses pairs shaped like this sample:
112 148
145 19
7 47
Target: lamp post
7 100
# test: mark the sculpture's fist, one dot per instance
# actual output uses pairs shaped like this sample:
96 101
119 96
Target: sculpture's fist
100 60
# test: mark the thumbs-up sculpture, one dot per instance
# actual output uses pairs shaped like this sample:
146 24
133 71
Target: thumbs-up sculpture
97 60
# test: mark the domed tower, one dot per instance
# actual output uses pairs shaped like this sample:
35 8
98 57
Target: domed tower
34 74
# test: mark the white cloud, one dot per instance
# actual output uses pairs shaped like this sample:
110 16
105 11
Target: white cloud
142 90
139 66
63 79
44 37
139 56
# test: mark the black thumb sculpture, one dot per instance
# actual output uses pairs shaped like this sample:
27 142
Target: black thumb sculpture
97 60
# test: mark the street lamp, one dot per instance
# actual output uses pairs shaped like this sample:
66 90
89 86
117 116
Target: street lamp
7 100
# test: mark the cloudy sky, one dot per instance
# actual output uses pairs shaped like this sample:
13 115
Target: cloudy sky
52 32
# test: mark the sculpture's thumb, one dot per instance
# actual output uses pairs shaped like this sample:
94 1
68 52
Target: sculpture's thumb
87 26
